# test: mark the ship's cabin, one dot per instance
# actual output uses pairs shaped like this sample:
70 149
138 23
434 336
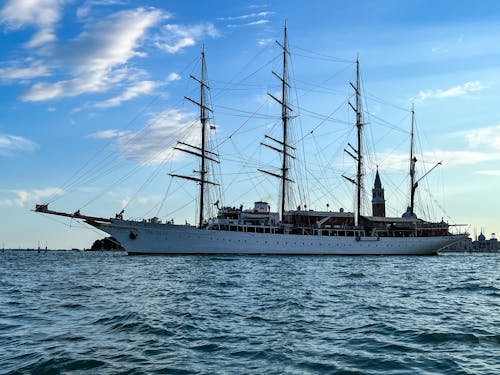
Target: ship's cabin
260 219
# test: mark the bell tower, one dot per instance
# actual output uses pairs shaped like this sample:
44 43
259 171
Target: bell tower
378 200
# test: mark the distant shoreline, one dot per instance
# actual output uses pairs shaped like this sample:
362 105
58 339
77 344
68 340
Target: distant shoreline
44 250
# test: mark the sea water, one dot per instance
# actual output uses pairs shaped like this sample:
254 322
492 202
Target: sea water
107 313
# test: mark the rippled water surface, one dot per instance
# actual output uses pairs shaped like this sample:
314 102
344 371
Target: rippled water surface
106 313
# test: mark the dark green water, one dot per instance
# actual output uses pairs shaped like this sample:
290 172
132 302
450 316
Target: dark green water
107 313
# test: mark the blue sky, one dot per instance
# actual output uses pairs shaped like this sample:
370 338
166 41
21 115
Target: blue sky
92 103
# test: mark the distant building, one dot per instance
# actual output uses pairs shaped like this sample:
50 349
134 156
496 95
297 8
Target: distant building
378 199
480 245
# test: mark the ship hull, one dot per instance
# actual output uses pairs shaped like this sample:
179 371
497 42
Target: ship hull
152 238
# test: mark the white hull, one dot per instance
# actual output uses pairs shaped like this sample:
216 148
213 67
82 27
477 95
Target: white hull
151 238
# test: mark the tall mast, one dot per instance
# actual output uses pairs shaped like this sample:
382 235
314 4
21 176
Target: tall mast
359 126
356 153
203 121
284 120
283 146
201 151
413 160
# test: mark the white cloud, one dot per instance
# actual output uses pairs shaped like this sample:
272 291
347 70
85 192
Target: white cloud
43 36
488 136
458 158
174 38
88 82
483 146
97 59
492 172
6 202
245 16
134 90
400 162
173 77
467 87
44 91
110 41
44 14
18 14
97 56
147 200
106 134
153 144
31 196
138 88
264 42
22 70
11 144
254 23
86 9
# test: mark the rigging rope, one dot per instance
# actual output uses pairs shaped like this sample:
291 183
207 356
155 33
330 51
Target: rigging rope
330 58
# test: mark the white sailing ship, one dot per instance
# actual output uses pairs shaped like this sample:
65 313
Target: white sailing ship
258 230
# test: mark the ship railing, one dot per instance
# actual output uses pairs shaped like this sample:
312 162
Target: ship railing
246 228
306 231
336 232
